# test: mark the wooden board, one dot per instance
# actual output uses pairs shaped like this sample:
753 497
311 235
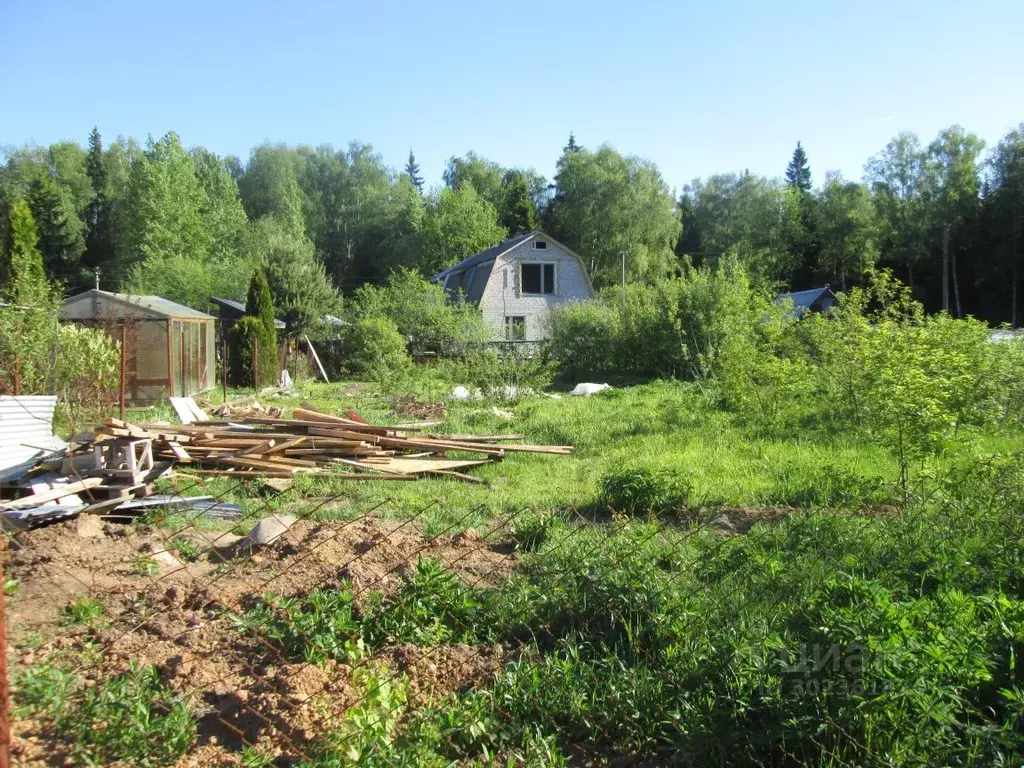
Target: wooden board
181 407
37 499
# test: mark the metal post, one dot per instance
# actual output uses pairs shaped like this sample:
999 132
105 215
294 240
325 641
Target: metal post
17 372
224 360
5 700
124 363
256 363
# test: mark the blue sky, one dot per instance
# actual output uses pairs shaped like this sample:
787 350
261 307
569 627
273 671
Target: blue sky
697 87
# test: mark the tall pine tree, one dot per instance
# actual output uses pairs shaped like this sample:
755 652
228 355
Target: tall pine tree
412 168
572 147
99 224
798 172
517 212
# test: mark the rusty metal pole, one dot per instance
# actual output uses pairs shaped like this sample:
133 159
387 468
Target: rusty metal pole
224 360
5 695
124 363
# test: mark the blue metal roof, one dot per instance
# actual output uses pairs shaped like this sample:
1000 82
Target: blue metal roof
803 300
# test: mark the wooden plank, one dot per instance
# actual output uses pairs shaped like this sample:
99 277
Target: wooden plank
345 434
60 492
240 473
476 438
179 453
456 475
181 408
316 357
197 412
282 447
260 447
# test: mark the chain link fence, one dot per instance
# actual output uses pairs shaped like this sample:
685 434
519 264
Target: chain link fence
285 624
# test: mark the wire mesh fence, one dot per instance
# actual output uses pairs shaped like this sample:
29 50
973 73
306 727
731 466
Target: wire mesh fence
307 629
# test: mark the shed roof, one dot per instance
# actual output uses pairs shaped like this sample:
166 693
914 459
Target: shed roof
804 300
239 306
153 304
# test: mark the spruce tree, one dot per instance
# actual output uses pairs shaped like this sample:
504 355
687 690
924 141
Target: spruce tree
99 229
517 213
572 147
255 333
59 241
798 172
412 168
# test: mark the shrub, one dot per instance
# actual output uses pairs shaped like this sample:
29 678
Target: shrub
375 348
644 490
255 335
507 373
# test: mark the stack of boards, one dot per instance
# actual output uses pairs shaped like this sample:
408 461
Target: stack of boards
319 443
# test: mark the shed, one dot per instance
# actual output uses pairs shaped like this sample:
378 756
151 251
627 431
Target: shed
812 300
169 347
231 311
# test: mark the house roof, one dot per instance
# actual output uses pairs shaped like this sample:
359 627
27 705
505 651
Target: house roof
484 256
239 307
804 300
153 304
480 265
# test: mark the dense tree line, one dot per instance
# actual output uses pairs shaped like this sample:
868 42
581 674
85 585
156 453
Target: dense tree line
187 224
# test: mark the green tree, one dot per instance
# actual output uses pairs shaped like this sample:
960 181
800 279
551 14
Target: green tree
300 288
847 230
607 206
517 212
898 186
401 245
457 224
270 186
1006 202
412 170
100 247
798 172
255 336
24 279
482 174
164 208
571 147
59 230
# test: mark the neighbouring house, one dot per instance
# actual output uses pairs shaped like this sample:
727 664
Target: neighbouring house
517 283
169 347
812 300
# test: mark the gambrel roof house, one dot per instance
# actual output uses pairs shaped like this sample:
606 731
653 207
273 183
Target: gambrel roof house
517 283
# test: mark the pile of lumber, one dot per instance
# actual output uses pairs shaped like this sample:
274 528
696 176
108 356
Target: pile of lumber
320 443
118 461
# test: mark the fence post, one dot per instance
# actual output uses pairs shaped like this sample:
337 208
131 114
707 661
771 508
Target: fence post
124 363
5 696
17 372
256 363
224 359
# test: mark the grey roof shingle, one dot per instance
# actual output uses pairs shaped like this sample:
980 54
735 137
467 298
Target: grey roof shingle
803 300
484 256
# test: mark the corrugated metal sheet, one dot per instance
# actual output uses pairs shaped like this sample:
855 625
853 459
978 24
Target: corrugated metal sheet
26 430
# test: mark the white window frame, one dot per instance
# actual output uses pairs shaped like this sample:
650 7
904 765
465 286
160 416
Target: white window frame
510 326
540 245
541 264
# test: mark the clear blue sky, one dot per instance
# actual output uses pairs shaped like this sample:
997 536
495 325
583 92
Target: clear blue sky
697 87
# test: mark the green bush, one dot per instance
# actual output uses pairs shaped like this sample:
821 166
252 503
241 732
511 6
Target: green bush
644 490
254 335
376 349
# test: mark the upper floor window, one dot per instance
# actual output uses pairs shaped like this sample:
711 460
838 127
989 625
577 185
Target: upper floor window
537 278
540 245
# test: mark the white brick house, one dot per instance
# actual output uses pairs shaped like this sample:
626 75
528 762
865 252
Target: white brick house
517 283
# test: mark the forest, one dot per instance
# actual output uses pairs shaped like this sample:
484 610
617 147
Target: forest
162 218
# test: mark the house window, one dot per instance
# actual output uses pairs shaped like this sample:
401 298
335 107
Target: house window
540 245
537 278
515 328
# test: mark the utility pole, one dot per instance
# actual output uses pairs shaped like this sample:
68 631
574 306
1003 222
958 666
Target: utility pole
945 267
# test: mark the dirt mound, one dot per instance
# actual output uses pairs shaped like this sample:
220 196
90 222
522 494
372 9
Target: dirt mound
180 619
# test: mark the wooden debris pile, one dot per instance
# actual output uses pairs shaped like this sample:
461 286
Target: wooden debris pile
320 443
118 461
